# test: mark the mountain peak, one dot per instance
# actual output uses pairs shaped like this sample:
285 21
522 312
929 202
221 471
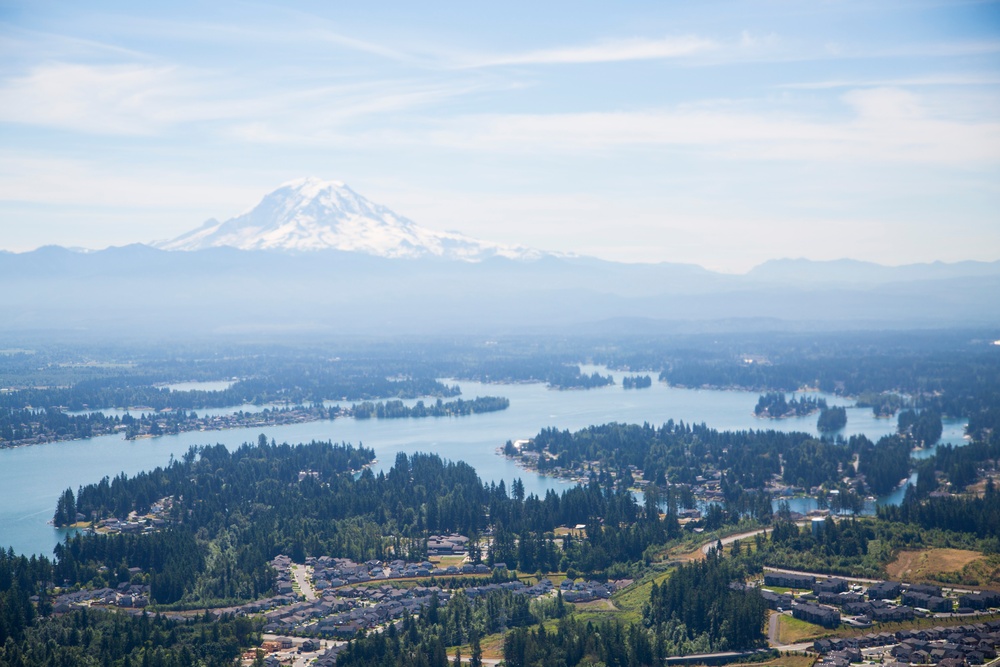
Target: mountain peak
309 214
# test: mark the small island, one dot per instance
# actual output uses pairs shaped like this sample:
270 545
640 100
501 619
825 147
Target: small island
773 405
831 419
637 382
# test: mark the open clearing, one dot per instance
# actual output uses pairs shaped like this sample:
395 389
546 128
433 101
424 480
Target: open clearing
792 630
928 563
596 605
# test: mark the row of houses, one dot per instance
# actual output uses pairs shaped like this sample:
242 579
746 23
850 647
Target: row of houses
126 595
912 598
347 602
133 526
362 608
789 580
585 591
335 572
957 646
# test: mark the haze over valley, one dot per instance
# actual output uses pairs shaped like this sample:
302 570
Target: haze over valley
324 258
499 335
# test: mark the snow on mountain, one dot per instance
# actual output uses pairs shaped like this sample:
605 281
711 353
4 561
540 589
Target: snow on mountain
312 214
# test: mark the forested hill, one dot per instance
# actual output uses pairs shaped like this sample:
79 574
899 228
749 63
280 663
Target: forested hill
230 513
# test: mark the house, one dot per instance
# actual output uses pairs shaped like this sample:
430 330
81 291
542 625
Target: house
814 613
830 586
787 580
980 601
885 590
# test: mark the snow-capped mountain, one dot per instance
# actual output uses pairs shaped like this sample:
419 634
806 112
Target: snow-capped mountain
312 214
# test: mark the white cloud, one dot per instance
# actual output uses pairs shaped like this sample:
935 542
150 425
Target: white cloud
139 99
106 99
619 50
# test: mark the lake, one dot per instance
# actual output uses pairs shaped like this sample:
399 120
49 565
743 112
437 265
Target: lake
31 478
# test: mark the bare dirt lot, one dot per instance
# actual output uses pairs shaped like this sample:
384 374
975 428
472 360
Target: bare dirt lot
927 564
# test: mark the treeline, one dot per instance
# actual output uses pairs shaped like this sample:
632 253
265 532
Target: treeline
279 385
707 599
701 608
93 638
961 465
20 579
421 641
553 369
776 406
23 425
974 515
841 547
30 635
574 642
863 546
33 427
884 464
456 408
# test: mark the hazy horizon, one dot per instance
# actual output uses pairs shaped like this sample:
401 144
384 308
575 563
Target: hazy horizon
717 134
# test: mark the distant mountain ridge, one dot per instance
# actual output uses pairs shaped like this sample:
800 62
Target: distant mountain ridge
859 272
316 256
145 291
310 214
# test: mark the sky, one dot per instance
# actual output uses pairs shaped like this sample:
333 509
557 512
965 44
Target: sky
716 133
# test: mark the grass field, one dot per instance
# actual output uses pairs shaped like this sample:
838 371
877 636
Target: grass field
491 646
783 661
927 564
792 630
446 561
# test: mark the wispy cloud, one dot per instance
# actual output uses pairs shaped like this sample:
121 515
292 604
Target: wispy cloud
148 99
108 99
618 50
929 80
888 124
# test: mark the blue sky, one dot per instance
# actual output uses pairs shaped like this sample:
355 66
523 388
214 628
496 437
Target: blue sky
717 133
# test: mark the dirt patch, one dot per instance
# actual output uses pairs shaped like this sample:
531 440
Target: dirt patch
596 605
929 563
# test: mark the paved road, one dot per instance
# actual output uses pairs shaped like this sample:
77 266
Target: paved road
726 541
772 629
302 575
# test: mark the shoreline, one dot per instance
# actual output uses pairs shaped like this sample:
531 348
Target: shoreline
285 416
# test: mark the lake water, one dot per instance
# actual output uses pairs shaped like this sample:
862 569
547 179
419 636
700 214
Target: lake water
31 478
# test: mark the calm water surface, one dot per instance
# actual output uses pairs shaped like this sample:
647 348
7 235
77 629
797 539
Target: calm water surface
31 478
